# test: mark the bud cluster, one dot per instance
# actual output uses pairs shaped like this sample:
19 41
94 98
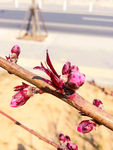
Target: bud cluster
70 80
66 144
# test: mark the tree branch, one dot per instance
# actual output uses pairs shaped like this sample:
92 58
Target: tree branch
30 130
79 103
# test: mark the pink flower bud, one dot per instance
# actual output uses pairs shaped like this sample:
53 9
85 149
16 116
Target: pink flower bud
66 68
98 103
66 144
74 68
76 79
61 138
25 92
13 57
16 49
72 146
86 126
67 138
19 98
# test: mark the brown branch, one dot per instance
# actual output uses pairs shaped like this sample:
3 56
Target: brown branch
79 103
30 130
92 82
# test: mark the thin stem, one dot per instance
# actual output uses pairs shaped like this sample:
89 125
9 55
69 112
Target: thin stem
30 130
78 102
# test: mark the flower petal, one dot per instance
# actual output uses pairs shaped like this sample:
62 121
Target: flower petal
66 68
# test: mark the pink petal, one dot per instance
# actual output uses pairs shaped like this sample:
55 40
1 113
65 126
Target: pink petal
79 129
67 138
75 80
72 146
98 103
16 49
66 68
61 137
74 68
86 126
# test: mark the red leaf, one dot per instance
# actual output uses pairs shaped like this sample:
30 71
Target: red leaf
21 87
50 64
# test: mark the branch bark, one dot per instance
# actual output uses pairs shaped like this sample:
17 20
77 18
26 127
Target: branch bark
30 130
79 102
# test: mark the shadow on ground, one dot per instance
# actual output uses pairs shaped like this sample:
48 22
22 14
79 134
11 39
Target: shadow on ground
21 147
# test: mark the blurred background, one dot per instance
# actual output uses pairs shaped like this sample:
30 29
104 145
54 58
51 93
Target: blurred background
79 31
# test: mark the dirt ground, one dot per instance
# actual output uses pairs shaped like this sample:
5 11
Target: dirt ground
49 116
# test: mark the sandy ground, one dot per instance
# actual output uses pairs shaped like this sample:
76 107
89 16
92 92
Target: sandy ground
49 116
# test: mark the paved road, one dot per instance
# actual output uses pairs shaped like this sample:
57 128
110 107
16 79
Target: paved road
82 38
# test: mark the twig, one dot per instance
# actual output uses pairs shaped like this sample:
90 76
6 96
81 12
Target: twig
30 130
79 102
92 82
